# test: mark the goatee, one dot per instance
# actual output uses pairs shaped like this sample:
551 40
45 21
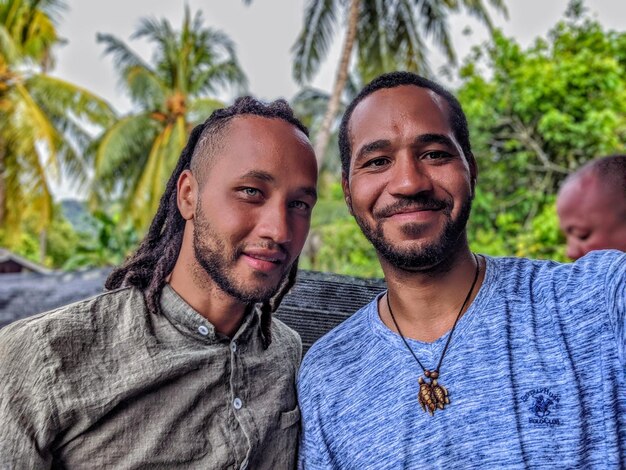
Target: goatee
418 258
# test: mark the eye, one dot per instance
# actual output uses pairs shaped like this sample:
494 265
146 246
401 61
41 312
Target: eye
436 155
583 236
377 162
578 234
300 205
250 193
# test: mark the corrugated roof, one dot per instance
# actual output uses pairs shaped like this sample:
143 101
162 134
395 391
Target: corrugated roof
320 301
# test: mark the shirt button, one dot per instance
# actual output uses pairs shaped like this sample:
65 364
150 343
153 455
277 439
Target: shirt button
233 346
203 330
237 403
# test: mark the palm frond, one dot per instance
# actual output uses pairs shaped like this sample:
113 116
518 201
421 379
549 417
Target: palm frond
312 44
139 207
145 88
201 108
8 48
61 97
119 156
123 56
219 76
478 9
434 18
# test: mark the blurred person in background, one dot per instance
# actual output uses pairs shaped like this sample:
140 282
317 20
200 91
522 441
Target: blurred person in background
591 205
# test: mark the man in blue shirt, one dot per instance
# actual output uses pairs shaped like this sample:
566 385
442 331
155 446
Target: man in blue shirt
467 361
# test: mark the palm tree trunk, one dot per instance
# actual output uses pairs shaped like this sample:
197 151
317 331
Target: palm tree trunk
323 135
2 184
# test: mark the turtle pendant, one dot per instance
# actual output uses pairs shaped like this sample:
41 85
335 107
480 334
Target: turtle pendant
432 395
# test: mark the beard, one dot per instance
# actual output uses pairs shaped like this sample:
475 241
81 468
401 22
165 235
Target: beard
418 258
218 262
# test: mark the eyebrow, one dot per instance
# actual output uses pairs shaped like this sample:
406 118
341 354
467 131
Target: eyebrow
434 139
372 147
259 175
268 178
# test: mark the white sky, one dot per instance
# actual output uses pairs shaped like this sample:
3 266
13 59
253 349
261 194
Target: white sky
264 33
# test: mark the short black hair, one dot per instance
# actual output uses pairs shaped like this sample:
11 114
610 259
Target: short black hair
213 130
611 170
458 121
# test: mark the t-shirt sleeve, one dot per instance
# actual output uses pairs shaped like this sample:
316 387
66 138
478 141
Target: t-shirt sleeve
616 301
25 413
313 451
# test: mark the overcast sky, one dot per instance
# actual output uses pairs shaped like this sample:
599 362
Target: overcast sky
264 33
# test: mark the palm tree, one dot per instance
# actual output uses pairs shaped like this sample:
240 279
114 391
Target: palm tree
41 117
310 106
135 156
387 35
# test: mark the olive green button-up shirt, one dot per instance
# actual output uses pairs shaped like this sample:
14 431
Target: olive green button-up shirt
104 384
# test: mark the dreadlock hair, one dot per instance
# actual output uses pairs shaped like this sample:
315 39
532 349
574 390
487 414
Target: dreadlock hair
148 268
458 121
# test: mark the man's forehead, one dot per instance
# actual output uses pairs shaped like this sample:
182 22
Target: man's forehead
585 192
400 103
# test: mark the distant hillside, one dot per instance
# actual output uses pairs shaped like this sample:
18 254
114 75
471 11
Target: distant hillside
78 216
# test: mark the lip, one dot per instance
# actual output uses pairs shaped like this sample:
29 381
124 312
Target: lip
414 214
264 260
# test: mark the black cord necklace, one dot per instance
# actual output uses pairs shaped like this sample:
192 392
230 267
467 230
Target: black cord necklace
432 395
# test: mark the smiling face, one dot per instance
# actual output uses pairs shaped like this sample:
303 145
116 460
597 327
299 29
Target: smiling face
253 207
409 185
592 216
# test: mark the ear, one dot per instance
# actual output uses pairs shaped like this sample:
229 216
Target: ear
473 167
186 194
345 185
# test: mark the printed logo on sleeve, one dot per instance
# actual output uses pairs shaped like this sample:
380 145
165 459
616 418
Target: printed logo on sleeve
543 406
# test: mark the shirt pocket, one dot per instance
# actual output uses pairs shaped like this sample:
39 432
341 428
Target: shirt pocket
289 418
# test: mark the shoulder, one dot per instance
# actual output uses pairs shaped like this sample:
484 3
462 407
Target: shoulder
595 269
59 330
286 338
583 291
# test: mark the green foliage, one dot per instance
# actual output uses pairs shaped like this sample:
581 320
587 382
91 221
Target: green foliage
109 246
61 240
535 115
43 119
339 245
389 34
344 250
135 156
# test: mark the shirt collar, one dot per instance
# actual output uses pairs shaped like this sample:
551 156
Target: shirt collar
189 322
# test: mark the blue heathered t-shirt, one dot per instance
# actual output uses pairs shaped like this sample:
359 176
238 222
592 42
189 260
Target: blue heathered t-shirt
535 372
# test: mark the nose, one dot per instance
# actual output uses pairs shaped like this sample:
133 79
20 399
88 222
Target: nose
574 250
409 177
274 224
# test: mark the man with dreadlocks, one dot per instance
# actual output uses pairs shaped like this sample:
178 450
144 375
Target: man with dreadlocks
179 364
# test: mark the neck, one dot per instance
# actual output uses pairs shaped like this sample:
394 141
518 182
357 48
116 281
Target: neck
197 289
426 303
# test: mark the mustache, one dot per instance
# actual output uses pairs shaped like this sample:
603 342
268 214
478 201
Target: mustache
417 202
